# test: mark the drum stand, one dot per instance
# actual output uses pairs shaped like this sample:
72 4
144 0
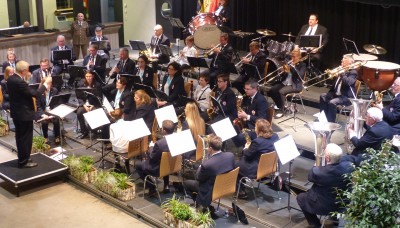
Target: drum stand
311 71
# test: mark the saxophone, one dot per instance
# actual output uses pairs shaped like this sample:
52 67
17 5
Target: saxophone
239 122
210 110
246 135
180 122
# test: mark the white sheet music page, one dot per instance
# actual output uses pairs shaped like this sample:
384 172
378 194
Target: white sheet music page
224 129
322 117
107 104
179 143
62 110
135 129
286 149
166 113
96 118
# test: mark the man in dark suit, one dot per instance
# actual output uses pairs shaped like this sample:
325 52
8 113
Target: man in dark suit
105 54
23 111
313 28
391 114
158 39
62 65
227 98
219 163
95 62
256 58
288 83
43 71
124 66
254 106
222 53
151 166
321 198
339 94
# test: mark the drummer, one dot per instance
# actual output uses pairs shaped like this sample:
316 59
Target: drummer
339 94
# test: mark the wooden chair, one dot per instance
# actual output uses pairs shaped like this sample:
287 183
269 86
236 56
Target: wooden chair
155 128
168 165
136 147
155 81
1 97
225 184
266 166
271 113
187 86
344 108
266 71
199 155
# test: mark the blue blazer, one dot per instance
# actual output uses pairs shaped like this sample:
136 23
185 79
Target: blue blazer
41 103
348 85
391 115
256 109
176 88
148 76
228 103
152 163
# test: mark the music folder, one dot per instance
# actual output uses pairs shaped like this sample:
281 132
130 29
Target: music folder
148 89
101 45
227 67
61 54
179 143
186 100
77 71
251 70
96 118
137 45
197 62
57 81
310 41
141 129
286 149
57 100
224 129
166 113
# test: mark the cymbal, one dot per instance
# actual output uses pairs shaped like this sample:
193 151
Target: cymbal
374 49
266 32
290 35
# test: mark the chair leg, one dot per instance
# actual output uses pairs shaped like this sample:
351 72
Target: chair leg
234 203
302 104
219 201
127 167
255 197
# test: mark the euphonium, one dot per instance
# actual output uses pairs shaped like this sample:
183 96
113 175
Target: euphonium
211 51
179 121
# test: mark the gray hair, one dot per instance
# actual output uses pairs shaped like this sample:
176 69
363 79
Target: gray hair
21 66
375 113
158 27
60 36
253 83
334 152
348 57
98 29
125 50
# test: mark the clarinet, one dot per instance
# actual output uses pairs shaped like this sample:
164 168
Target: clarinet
112 71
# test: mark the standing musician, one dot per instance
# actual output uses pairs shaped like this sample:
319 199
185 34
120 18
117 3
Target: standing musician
158 39
144 71
43 71
42 104
254 106
105 54
11 59
257 58
224 11
188 51
288 83
226 97
340 94
173 86
222 53
4 89
391 114
79 33
145 108
23 110
95 62
202 93
313 28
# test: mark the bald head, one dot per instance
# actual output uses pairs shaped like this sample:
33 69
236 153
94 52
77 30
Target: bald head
396 85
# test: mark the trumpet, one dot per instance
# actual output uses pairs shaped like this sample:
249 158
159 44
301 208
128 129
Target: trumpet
211 51
239 64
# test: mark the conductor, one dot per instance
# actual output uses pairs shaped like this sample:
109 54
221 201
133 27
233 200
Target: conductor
23 110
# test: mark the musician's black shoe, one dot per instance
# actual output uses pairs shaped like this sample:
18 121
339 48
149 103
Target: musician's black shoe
242 195
83 135
28 165
166 189
152 192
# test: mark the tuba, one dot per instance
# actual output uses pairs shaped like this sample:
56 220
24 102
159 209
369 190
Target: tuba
204 138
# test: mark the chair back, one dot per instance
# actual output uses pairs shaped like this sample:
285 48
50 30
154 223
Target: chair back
1 97
199 149
187 86
267 165
34 103
270 113
170 165
136 147
357 87
265 71
225 184
155 81
197 53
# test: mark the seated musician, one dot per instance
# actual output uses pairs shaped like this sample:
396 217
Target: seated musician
145 108
124 99
158 39
227 98
376 132
42 104
224 11
119 140
124 66
188 51
88 82
289 83
391 114
263 144
173 86
43 71
4 89
219 162
151 166
196 125
62 65
11 59
202 93
222 53
257 58
321 198
339 94
254 106
105 54
95 62
144 71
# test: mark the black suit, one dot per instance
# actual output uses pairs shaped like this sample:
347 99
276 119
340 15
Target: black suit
321 198
259 60
391 115
207 172
176 88
6 97
321 30
108 44
128 104
99 65
227 99
280 89
226 12
23 113
154 46
329 101
38 74
6 64
226 56
146 111
41 108
126 67
81 110
151 166
58 64
148 75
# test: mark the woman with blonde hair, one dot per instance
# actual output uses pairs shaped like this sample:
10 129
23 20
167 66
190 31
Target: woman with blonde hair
263 144
11 60
4 90
144 108
196 124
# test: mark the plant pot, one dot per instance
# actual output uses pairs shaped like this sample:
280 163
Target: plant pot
45 151
126 194
172 221
92 175
4 130
87 177
107 188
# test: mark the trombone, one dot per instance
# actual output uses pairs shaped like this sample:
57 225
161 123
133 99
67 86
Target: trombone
211 51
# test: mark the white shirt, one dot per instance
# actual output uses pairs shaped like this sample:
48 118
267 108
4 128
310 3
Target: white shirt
312 32
202 95
118 138
189 52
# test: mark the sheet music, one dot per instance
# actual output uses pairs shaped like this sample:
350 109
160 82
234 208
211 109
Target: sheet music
96 118
107 104
286 149
139 126
166 113
62 111
179 143
224 129
322 117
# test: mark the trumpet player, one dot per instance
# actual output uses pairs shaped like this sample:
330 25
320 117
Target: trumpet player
188 51
43 71
339 94
257 58
222 53
95 62
288 83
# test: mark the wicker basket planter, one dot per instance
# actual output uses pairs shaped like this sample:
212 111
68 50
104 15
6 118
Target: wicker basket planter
172 221
122 194
4 130
86 178
45 151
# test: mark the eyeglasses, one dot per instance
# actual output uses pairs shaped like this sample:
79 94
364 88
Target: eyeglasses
171 68
247 89
220 81
394 84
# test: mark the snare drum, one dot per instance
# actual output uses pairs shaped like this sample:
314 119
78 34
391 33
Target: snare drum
204 29
380 75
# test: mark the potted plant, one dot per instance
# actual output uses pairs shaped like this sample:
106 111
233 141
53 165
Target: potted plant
119 185
202 220
39 145
82 168
373 200
3 127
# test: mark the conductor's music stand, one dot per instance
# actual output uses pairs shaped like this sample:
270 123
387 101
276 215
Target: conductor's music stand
309 42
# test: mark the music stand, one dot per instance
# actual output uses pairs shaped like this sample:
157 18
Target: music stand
34 86
166 113
95 119
186 100
77 72
61 55
227 67
251 70
161 95
165 50
33 67
309 42
351 47
180 143
176 23
101 45
1 76
80 92
137 45
217 106
197 62
148 89
224 129
58 100
131 80
225 29
57 81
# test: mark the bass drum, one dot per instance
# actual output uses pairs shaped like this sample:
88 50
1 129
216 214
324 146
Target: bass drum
204 28
360 58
